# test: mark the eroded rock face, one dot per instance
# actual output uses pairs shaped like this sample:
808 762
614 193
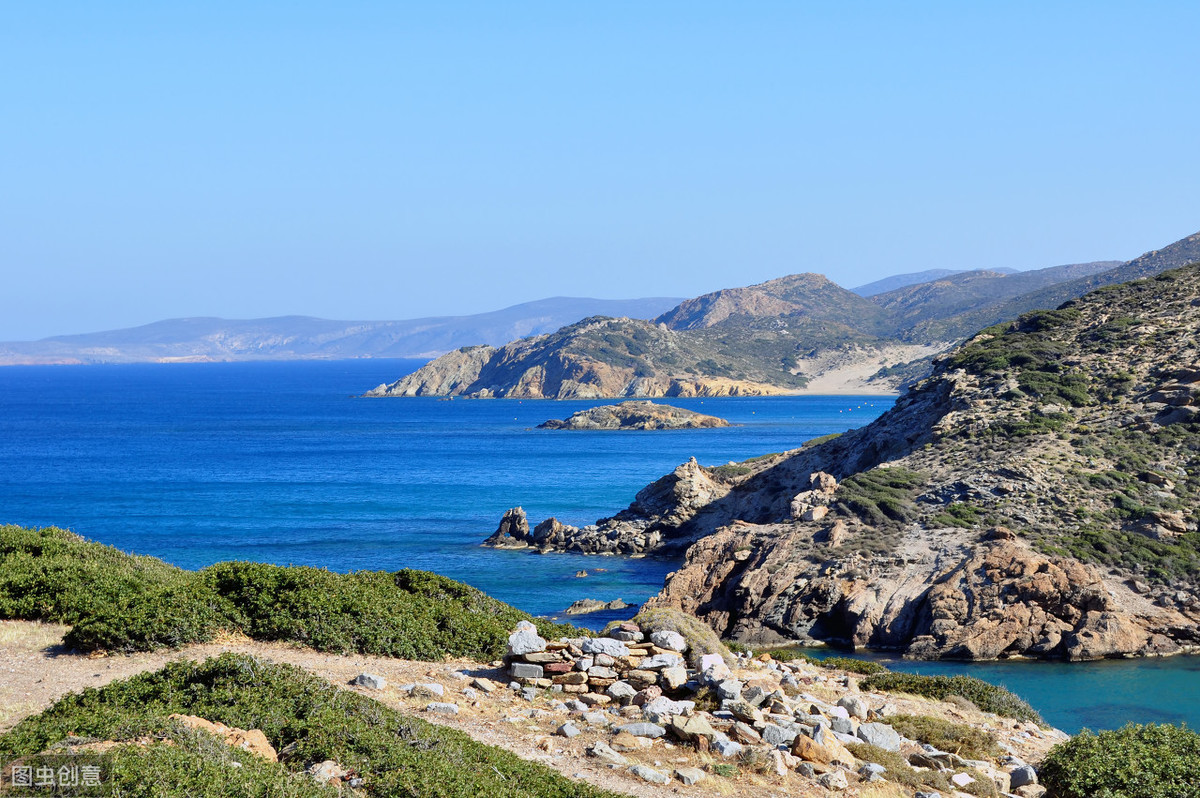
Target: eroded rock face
995 599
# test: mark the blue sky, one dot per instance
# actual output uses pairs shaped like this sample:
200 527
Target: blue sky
378 160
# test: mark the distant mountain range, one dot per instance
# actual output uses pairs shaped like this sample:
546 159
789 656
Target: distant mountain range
801 332
912 278
304 337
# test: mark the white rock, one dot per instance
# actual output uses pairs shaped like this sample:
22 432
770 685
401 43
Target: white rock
666 638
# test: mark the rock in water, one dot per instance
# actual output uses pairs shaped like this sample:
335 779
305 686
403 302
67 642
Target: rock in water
513 532
586 606
635 415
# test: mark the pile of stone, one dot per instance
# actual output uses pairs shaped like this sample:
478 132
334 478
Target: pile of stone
637 690
599 670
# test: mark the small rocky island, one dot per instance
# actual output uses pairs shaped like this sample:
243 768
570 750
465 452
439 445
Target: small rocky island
635 415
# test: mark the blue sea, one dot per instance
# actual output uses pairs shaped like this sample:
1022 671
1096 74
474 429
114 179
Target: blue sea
281 463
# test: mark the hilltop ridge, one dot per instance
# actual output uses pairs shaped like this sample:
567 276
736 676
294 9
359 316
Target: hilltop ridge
798 333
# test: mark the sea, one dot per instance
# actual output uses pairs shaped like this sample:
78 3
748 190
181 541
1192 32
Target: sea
283 462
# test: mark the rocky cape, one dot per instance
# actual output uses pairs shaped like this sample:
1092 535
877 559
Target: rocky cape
1036 496
635 415
800 333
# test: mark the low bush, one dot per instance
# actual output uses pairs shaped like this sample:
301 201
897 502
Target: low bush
959 738
860 666
881 494
118 602
988 697
303 716
1150 761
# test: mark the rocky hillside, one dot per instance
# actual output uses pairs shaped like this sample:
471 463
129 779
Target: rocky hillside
598 358
796 333
635 416
1037 495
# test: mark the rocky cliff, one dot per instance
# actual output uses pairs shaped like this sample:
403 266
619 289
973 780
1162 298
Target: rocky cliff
1037 495
635 416
797 333
596 358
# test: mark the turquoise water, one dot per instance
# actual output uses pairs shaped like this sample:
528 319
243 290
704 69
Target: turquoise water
1092 695
278 462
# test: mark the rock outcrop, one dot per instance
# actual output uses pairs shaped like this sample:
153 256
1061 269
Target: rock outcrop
587 606
1037 496
635 415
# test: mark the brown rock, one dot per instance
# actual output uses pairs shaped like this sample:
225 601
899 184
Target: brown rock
253 740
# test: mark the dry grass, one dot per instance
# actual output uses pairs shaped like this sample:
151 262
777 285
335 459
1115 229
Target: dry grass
25 636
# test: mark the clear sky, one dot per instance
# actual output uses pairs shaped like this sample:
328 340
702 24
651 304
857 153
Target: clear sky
384 160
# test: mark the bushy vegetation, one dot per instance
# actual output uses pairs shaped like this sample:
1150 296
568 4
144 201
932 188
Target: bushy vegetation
118 602
304 717
988 697
881 494
945 735
1150 761
899 771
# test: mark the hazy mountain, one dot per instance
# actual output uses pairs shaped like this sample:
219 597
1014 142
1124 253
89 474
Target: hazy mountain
912 278
303 337
960 295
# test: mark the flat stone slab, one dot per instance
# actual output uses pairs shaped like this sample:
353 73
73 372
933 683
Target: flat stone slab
649 774
651 730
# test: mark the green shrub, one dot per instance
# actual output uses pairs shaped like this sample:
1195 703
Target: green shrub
1151 761
988 697
945 735
881 494
860 666
395 754
118 602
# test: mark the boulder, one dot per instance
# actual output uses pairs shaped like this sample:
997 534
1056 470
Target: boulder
854 705
665 638
674 678
646 773
369 681
650 730
601 751
689 776
1020 776
525 640
604 645
835 780
880 735
777 735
